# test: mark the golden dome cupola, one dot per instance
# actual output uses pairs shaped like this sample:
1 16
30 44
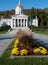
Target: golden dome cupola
19 9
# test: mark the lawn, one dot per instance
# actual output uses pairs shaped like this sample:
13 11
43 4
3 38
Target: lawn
4 29
2 32
45 32
40 30
6 60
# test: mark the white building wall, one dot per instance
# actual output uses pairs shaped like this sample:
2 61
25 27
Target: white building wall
22 16
35 22
11 23
7 21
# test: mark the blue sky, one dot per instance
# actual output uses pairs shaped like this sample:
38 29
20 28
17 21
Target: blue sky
27 4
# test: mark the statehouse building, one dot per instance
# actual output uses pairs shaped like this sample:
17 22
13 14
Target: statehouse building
19 19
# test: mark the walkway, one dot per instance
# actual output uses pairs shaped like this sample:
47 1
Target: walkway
42 39
5 40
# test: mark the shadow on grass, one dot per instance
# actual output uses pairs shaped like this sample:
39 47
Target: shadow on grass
42 43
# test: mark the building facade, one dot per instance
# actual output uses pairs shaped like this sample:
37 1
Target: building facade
19 19
35 22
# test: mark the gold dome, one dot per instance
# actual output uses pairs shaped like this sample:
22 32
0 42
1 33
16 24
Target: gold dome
19 9
19 6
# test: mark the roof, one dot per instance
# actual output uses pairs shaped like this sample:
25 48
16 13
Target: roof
20 15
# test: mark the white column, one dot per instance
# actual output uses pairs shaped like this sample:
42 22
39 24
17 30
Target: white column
21 22
26 23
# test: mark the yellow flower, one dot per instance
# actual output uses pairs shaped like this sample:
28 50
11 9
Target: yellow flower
43 52
42 48
15 51
36 51
24 52
15 45
17 41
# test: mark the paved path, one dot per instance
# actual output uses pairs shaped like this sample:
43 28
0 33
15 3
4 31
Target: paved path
42 39
5 40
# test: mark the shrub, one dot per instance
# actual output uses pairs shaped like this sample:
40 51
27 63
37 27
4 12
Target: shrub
4 28
21 47
30 51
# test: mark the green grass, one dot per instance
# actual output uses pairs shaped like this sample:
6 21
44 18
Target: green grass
2 32
40 31
45 32
6 60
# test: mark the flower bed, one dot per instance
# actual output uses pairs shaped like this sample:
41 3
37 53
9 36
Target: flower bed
24 45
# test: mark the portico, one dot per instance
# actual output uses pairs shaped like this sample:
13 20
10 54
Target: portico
20 23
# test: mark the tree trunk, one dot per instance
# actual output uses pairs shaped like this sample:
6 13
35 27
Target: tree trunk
41 23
